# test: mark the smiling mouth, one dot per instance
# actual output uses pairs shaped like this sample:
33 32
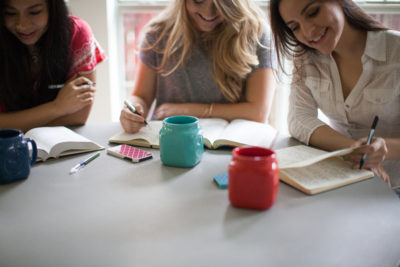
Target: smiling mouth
26 36
316 40
209 20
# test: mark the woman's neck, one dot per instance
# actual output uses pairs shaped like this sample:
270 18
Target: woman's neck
352 43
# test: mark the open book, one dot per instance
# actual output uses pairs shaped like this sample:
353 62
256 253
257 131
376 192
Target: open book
54 142
313 170
216 133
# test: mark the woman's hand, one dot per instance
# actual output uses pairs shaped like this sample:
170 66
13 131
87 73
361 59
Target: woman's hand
74 96
130 121
170 109
376 154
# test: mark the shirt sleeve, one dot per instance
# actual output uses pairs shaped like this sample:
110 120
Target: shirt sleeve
303 109
148 56
266 52
86 51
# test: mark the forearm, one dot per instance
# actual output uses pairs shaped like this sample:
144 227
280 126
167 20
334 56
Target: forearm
326 138
393 145
30 118
244 110
226 111
77 118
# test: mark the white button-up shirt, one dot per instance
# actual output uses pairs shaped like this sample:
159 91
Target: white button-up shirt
317 85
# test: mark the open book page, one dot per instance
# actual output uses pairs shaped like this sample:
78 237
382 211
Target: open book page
216 132
323 175
147 135
301 155
212 129
245 132
59 141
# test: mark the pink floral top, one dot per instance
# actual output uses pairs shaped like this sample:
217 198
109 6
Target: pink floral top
86 51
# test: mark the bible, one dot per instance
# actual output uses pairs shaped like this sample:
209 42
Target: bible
54 142
313 170
216 133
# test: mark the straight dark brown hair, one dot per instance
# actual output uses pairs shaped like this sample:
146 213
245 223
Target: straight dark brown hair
286 43
16 81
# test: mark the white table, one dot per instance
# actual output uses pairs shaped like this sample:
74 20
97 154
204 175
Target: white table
116 213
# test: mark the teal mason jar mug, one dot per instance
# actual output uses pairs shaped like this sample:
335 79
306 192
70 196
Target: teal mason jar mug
181 143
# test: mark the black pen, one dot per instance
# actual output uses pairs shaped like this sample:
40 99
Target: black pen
59 86
133 109
370 136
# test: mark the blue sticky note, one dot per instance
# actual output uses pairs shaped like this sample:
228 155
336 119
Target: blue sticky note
221 180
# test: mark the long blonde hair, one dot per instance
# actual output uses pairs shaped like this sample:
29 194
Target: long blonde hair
232 44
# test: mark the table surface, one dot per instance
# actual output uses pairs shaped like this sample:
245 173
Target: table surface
117 213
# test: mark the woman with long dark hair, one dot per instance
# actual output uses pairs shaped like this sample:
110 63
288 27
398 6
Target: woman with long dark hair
347 66
47 65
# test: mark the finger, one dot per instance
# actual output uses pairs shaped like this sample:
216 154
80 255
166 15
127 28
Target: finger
126 113
159 114
380 171
86 95
80 80
85 89
131 126
360 142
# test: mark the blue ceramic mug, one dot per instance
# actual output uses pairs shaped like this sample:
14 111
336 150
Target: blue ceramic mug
15 161
181 144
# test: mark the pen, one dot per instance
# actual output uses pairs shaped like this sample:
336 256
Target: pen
133 109
371 134
59 86
78 166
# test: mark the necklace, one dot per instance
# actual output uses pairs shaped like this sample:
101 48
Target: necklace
35 58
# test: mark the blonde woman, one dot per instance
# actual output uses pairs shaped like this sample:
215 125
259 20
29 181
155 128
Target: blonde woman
204 58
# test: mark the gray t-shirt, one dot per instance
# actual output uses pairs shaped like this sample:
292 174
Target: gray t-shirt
194 82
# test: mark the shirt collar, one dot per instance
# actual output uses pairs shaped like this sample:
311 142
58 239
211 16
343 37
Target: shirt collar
376 45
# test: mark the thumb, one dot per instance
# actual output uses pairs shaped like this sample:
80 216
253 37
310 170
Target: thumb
359 142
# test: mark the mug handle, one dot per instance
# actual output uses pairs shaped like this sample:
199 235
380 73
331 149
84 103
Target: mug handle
34 149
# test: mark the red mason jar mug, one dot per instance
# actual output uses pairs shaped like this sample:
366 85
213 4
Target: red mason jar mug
253 178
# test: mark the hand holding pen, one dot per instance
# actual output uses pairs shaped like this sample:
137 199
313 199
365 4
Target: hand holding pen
369 139
373 148
76 94
133 109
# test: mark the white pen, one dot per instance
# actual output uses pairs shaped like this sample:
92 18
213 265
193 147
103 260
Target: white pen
59 86
79 166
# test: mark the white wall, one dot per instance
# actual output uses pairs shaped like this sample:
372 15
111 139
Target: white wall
101 16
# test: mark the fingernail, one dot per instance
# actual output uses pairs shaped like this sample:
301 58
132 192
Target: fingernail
347 157
355 151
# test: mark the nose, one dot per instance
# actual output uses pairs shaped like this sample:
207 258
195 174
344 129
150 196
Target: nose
22 23
308 29
210 10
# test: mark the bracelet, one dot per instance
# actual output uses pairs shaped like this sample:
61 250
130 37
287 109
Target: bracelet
208 111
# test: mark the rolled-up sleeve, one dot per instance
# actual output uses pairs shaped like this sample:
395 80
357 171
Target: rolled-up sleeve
303 109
